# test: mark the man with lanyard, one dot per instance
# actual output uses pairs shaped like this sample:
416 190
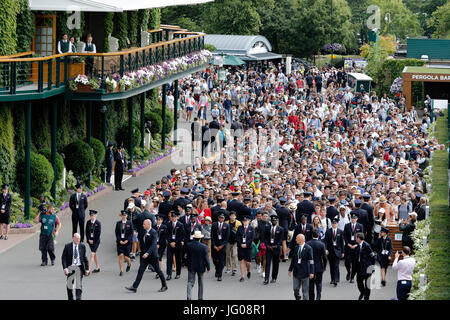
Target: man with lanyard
78 203
220 232
74 257
383 247
334 243
46 243
302 264
365 260
273 238
64 45
350 231
89 47
175 231
5 203
161 229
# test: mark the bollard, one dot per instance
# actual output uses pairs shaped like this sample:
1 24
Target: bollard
424 240
421 280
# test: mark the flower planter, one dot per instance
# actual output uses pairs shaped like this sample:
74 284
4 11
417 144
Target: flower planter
109 90
84 88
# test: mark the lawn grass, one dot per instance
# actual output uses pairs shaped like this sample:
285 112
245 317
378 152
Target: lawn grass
438 273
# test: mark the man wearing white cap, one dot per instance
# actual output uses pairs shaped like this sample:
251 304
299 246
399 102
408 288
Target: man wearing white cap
197 262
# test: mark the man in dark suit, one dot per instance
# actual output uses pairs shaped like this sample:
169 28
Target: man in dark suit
350 231
245 236
303 265
320 264
93 232
119 168
214 128
166 206
334 242
364 265
363 217
109 159
206 136
161 230
137 201
198 262
75 264
149 256
366 206
215 209
5 211
244 210
181 201
273 238
331 209
78 203
235 204
306 207
302 228
220 232
191 227
175 232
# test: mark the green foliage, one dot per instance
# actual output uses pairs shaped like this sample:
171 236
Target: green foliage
8 35
59 162
169 118
155 19
209 47
377 55
109 28
156 121
121 29
61 25
133 27
404 23
7 164
25 27
440 21
99 152
79 158
143 18
17 205
424 10
122 136
41 174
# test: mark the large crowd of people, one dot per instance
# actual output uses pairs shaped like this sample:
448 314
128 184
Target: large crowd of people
309 171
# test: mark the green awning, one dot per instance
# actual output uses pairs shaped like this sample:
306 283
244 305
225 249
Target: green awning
233 61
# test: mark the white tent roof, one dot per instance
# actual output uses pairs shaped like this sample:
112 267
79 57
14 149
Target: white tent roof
106 5
360 76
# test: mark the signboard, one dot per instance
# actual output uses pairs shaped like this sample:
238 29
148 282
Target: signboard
398 237
288 65
440 104
431 77
359 63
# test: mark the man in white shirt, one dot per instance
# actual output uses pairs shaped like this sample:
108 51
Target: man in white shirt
405 269
64 45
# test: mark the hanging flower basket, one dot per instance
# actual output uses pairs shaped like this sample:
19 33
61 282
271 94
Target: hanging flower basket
84 88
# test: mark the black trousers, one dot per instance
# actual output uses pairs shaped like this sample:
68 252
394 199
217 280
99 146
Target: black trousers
204 148
108 174
46 245
362 284
350 262
143 266
315 282
70 282
403 289
272 256
334 267
178 254
118 175
78 221
219 258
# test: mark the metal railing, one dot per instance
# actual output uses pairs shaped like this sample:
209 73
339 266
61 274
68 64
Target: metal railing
37 74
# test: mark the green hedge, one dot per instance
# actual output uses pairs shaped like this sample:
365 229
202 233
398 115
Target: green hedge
439 241
7 164
79 158
133 27
41 174
25 27
109 27
169 118
8 35
122 136
121 29
59 162
99 152
156 121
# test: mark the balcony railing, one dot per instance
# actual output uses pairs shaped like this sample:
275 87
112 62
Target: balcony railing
30 75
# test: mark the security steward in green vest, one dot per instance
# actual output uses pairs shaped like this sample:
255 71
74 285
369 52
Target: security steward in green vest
50 226
64 45
89 47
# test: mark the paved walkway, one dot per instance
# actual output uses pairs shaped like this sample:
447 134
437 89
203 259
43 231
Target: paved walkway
23 278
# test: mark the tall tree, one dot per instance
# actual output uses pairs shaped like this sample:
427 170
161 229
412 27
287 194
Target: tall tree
441 21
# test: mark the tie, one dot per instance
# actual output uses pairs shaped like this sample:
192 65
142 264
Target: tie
220 227
334 233
273 232
78 198
123 226
75 254
353 227
245 230
303 229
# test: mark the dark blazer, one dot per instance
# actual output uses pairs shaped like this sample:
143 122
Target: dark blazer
303 269
97 230
249 238
67 256
298 230
363 217
332 212
178 232
243 211
348 232
215 242
277 239
181 201
148 244
162 234
164 209
319 254
382 244
366 258
188 233
370 216
197 257
234 205
339 248
304 207
109 157
82 206
128 232
6 201
141 217
120 162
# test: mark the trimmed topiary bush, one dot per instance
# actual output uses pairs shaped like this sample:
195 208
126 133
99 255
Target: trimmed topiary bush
79 158
99 152
123 138
156 122
41 174
59 162
170 122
